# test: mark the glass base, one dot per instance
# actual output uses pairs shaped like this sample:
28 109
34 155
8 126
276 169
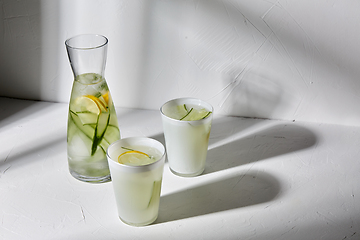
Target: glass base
88 179
188 174
139 224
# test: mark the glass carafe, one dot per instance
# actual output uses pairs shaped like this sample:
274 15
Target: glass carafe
92 121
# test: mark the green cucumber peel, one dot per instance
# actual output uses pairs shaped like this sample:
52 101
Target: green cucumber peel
86 134
128 148
186 114
207 115
155 191
97 138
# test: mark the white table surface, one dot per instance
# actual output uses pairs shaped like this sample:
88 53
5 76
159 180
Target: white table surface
264 179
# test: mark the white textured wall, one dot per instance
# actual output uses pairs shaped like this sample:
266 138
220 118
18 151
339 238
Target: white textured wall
294 60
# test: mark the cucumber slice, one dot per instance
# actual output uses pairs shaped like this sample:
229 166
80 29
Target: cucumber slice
196 114
98 136
87 118
102 123
155 192
86 129
100 128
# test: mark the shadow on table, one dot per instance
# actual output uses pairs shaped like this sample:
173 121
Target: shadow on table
23 147
10 107
21 158
270 142
224 127
222 195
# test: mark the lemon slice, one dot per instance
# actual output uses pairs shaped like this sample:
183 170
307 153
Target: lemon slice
135 158
106 97
89 103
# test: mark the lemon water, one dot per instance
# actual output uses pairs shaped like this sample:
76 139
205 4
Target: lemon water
186 129
137 191
92 127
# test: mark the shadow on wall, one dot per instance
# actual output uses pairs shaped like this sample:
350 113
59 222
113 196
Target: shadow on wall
258 58
253 96
28 40
222 195
255 83
191 41
20 48
153 75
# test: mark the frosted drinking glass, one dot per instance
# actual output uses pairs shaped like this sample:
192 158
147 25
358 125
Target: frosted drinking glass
186 139
137 187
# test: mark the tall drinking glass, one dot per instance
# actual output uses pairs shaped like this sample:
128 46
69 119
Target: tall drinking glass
92 122
136 166
187 125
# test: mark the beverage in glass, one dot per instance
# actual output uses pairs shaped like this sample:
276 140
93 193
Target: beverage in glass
187 125
92 121
136 166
